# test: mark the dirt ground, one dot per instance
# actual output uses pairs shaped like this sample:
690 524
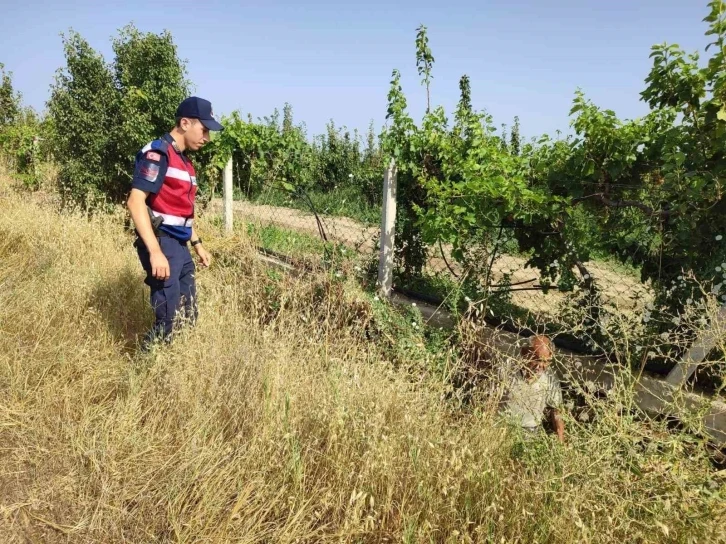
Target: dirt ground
624 291
341 229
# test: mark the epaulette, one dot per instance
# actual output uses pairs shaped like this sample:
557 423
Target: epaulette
159 145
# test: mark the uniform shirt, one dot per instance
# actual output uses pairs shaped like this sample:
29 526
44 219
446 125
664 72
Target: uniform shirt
149 173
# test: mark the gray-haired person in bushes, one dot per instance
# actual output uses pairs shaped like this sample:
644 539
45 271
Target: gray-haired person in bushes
533 390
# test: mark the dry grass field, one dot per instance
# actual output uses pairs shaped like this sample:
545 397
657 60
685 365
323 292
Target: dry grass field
278 419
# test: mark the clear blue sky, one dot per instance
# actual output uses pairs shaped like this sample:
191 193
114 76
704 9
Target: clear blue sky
334 59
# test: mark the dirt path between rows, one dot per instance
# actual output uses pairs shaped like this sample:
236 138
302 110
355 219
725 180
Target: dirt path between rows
623 290
340 229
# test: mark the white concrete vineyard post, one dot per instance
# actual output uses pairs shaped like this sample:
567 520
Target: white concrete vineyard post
36 142
227 194
388 230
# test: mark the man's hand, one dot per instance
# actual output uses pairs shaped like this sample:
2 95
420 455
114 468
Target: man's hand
137 206
203 255
159 266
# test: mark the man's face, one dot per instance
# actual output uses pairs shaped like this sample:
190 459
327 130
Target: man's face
538 364
539 357
195 134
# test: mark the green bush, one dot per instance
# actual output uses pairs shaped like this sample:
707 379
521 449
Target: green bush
20 132
649 192
103 113
268 155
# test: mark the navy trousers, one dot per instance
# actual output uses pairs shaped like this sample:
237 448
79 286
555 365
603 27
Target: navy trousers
175 297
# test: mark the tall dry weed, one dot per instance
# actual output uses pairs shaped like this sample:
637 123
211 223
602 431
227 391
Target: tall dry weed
282 417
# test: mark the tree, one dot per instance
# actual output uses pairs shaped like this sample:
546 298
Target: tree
19 128
151 83
371 140
424 62
103 114
370 174
648 191
515 142
287 124
464 111
83 108
659 180
9 99
398 143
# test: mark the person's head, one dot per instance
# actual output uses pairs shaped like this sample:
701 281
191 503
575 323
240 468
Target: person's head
539 353
194 120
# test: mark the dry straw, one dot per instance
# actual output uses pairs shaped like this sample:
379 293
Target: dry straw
288 414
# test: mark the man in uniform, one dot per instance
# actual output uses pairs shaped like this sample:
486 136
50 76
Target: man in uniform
161 203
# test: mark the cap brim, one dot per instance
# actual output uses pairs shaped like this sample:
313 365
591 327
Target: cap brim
211 124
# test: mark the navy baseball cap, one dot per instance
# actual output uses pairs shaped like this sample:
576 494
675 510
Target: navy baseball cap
198 108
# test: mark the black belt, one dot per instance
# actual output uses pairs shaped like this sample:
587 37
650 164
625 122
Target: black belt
158 233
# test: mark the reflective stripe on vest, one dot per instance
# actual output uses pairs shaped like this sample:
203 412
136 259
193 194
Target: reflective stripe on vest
173 220
181 174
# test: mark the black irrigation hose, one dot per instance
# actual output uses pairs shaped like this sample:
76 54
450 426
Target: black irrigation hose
533 288
494 256
319 222
299 192
513 284
447 262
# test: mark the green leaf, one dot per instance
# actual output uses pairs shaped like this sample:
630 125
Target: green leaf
589 168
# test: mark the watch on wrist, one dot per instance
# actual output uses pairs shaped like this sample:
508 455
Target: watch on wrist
197 241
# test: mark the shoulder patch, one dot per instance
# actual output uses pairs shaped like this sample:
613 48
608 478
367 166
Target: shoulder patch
149 171
153 156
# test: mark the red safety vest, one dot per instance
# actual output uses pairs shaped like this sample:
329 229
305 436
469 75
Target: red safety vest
174 202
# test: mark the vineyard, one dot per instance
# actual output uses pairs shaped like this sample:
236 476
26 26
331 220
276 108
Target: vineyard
642 196
619 224
305 407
